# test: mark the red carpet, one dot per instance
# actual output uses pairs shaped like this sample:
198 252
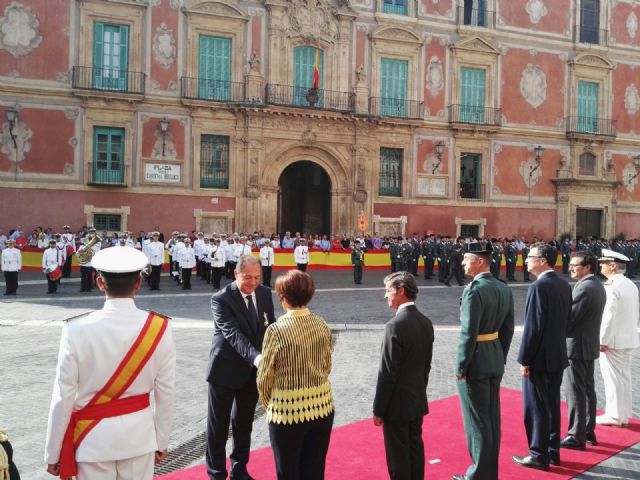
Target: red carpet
357 450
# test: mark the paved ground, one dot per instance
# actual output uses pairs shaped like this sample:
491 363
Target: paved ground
30 327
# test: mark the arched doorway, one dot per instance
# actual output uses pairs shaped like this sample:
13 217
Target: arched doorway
304 199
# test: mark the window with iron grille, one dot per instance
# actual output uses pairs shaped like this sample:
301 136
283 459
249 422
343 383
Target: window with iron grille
108 222
390 172
214 161
469 231
475 12
108 156
587 164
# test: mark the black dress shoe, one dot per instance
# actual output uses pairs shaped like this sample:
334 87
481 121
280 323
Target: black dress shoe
241 476
530 463
571 442
554 459
459 477
591 439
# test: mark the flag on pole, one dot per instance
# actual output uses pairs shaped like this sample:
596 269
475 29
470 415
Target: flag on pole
316 71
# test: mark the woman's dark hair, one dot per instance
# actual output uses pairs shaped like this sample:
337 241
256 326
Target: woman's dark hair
296 287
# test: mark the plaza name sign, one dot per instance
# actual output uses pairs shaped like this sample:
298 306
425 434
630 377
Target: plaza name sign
162 173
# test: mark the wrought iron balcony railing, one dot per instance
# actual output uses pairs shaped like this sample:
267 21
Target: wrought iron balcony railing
475 17
471 191
396 107
214 90
108 79
475 115
594 36
309 98
107 173
580 125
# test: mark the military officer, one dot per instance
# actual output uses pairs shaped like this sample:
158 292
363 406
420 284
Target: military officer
218 261
496 258
455 263
51 260
357 261
565 250
404 253
487 325
155 255
444 254
70 246
414 255
525 254
393 254
301 255
511 258
426 248
11 265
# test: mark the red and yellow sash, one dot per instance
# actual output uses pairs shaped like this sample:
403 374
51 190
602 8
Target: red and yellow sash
107 402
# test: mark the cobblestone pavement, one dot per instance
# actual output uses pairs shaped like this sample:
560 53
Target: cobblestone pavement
30 330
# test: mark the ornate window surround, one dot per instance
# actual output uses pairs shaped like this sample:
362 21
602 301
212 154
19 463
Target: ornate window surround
476 52
591 68
411 10
480 146
124 212
603 22
201 215
480 222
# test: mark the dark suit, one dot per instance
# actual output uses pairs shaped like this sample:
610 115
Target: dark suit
237 341
486 307
401 391
544 350
583 347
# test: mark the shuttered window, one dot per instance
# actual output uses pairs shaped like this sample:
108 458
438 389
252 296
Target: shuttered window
588 106
472 95
214 161
393 87
590 21
390 172
108 156
110 56
214 68
475 13
304 61
397 7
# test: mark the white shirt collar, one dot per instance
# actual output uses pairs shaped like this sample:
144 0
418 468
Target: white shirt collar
544 273
481 274
404 305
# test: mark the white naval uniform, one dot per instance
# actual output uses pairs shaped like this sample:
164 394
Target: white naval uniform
11 260
619 333
239 250
301 254
267 257
218 257
186 257
91 348
155 253
51 258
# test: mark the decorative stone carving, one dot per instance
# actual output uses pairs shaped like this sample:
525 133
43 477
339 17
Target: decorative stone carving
429 162
164 46
533 85
254 63
155 86
63 77
19 30
632 24
627 174
312 20
73 141
631 100
173 86
71 113
361 75
360 195
308 137
176 4
22 134
497 147
255 12
68 169
154 3
169 146
435 76
564 158
536 10
529 173
253 189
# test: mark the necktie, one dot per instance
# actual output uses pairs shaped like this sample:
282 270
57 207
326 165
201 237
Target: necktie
253 313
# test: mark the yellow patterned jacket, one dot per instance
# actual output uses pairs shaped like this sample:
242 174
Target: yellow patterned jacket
293 376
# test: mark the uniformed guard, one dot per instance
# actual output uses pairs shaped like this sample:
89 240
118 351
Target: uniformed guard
511 258
70 246
101 424
565 250
525 254
51 261
393 254
414 255
155 255
357 261
455 263
444 254
486 330
11 265
496 258
404 252
425 250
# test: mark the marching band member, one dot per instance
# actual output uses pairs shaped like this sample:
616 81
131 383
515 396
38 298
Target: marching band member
62 248
155 257
197 250
267 259
218 261
169 247
11 265
51 260
301 255
87 277
70 247
187 259
109 364
177 252
206 260
230 263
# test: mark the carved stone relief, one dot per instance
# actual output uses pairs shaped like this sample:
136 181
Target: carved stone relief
312 21
631 100
69 169
536 10
22 134
533 85
435 76
632 24
164 46
254 63
176 4
627 174
529 173
169 146
19 30
71 113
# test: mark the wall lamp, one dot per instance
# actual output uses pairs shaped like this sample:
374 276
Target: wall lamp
636 163
439 148
538 160
164 128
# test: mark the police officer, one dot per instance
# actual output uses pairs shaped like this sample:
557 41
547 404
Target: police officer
525 254
357 261
427 258
496 257
455 263
511 257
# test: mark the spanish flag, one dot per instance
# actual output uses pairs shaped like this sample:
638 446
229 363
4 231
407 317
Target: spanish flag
316 71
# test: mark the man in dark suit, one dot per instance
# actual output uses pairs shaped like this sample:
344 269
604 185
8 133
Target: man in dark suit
543 357
242 311
401 393
583 347
487 324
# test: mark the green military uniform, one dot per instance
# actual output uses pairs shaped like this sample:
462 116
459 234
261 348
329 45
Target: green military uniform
486 311
357 261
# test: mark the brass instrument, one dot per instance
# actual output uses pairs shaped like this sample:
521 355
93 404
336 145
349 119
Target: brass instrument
86 254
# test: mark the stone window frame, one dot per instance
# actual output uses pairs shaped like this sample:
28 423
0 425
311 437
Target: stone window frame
480 222
478 146
228 215
411 9
603 21
329 77
592 168
124 212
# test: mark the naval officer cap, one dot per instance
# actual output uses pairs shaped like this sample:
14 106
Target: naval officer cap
119 260
611 256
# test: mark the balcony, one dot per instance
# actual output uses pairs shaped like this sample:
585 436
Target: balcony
212 90
113 82
107 174
469 191
396 107
473 17
302 97
475 118
593 36
590 127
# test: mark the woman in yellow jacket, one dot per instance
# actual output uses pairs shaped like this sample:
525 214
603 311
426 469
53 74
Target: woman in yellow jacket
293 381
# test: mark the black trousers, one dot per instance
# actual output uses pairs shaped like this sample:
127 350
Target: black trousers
206 271
428 267
266 275
302 267
541 393
581 399
404 449
154 279
13 470
86 278
525 271
412 265
238 406
66 268
229 267
480 405
511 270
443 270
11 280
216 276
457 273
52 285
186 278
300 449
357 274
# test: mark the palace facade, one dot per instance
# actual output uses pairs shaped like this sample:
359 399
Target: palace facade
485 117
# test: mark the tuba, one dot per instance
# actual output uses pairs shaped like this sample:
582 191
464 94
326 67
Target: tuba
86 254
